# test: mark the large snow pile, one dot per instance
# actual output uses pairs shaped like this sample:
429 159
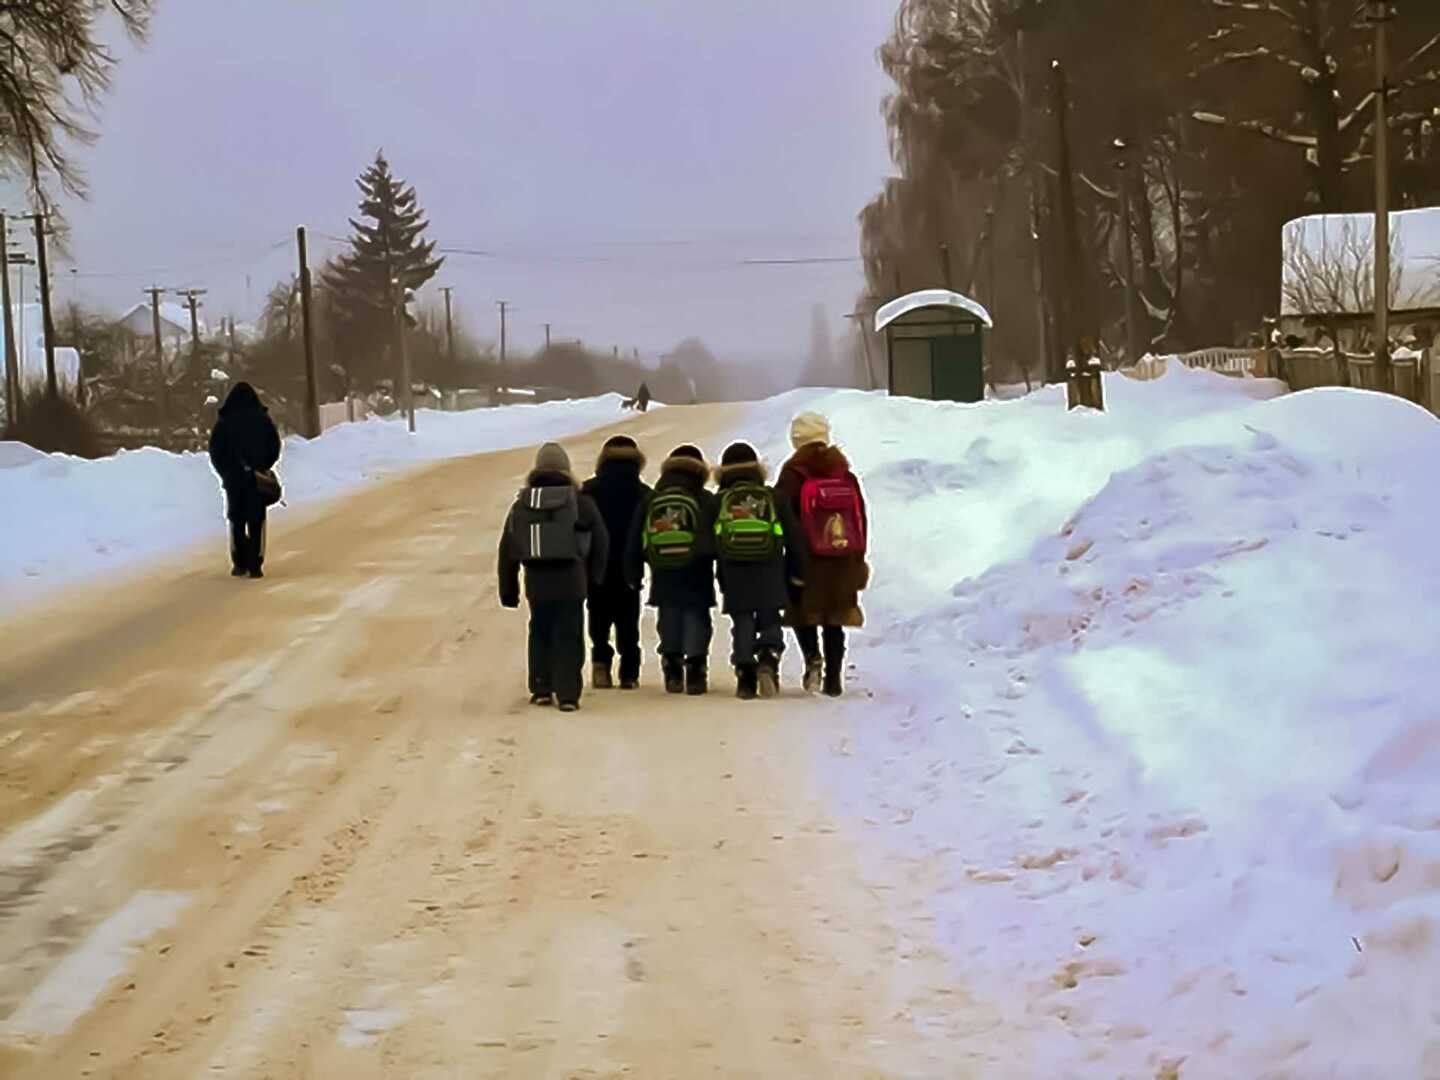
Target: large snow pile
1153 717
65 518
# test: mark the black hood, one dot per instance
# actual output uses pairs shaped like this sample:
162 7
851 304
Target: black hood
242 398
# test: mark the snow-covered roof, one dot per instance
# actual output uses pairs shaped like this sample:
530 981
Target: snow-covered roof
1342 244
903 305
175 315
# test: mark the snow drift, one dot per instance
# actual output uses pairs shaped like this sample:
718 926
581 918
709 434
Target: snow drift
1152 711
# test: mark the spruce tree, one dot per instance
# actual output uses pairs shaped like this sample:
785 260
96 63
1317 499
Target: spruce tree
387 254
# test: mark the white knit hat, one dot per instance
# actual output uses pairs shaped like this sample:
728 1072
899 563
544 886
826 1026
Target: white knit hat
809 428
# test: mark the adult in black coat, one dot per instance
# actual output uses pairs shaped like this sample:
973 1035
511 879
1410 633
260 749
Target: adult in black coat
555 591
754 592
243 441
684 596
618 492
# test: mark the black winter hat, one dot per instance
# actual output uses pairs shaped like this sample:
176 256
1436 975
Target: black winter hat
621 442
739 453
688 450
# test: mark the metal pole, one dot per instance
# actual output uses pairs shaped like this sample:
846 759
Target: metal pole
312 390
1380 15
503 304
12 372
52 387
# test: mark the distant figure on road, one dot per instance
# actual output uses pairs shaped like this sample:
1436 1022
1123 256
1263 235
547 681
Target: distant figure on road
642 398
244 442
618 492
825 497
558 535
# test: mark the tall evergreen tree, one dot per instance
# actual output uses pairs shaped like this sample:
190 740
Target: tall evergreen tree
388 253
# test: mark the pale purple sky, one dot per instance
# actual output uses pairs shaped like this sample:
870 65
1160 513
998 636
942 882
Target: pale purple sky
744 128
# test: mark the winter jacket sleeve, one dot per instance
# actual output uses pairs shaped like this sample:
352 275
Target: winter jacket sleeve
864 524
223 457
591 519
797 549
634 547
509 568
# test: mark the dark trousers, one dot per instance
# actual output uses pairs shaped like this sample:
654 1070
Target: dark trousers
557 647
618 608
809 638
685 631
247 542
752 631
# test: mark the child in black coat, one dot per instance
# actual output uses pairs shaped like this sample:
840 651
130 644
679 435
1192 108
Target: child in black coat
618 491
672 533
758 547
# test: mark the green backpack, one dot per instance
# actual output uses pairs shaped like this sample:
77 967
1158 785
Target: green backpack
672 529
748 527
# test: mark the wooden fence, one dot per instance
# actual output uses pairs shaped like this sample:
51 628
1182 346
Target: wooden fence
1237 362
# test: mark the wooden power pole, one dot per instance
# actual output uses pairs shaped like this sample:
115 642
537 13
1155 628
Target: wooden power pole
502 304
307 333
12 369
192 302
1079 336
52 387
1380 15
161 402
449 329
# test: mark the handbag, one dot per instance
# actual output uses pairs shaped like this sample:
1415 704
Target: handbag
267 486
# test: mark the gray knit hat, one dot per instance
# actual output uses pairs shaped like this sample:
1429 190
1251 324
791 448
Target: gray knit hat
552 458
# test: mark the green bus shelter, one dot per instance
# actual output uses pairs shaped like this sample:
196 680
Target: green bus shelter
935 341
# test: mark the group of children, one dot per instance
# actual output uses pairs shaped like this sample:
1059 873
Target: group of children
791 554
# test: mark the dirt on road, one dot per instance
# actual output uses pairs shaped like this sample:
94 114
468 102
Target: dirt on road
309 827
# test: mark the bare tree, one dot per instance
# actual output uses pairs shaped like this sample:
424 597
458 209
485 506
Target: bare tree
54 69
1332 270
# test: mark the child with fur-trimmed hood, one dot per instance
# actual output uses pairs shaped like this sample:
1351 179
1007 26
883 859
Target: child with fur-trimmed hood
829 601
618 491
755 589
683 594
555 589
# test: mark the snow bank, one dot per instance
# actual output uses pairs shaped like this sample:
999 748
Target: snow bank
66 519
1152 712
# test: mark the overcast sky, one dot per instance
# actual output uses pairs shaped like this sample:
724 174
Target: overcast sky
623 155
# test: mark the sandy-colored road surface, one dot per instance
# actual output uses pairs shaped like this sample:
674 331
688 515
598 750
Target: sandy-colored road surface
308 827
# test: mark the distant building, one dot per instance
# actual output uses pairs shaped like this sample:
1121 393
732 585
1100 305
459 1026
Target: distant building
138 331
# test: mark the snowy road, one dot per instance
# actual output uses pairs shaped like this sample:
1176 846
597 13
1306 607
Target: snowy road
308 827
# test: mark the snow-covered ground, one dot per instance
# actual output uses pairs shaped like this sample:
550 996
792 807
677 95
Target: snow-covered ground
1148 705
65 519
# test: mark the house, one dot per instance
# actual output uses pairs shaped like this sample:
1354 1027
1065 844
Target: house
138 329
28 321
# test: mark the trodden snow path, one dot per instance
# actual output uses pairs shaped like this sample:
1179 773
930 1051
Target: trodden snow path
309 827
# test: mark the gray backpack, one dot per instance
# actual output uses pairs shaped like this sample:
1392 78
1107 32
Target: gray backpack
545 525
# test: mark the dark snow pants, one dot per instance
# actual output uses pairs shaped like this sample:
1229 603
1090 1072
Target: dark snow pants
685 631
557 647
247 542
752 631
809 638
617 607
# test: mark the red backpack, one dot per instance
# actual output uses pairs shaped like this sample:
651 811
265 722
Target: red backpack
831 516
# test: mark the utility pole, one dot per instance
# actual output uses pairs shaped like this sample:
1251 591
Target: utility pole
12 371
861 321
156 292
449 328
502 305
52 387
1380 14
1132 309
547 337
230 334
945 265
399 291
1078 335
192 301
307 331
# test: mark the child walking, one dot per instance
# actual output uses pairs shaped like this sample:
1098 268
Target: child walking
758 547
559 537
672 535
824 495
618 492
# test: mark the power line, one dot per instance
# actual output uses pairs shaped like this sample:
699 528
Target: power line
250 255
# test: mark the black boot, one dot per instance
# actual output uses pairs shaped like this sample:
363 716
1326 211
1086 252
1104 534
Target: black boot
695 675
673 668
834 672
600 676
768 673
745 681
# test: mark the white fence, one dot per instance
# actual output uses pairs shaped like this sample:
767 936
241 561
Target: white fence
1238 362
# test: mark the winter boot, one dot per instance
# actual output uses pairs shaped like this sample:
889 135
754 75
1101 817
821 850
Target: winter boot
239 571
695 675
768 673
542 699
569 706
745 679
814 667
628 684
600 676
834 673
673 668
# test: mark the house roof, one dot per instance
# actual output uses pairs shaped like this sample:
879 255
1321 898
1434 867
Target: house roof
1343 244
175 315
903 305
